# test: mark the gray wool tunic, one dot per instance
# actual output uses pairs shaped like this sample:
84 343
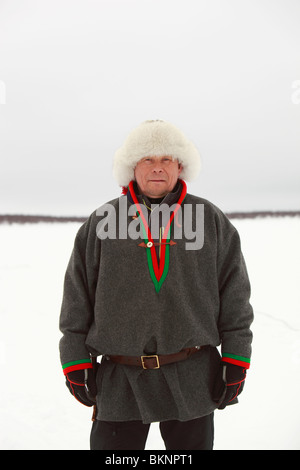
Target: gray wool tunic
114 305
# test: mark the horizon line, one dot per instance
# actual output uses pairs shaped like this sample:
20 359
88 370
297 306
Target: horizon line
29 218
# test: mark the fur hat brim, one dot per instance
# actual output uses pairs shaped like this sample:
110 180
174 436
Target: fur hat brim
155 138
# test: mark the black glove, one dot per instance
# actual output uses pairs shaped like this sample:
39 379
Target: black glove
229 384
82 385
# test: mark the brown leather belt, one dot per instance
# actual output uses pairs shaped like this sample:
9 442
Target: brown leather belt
154 361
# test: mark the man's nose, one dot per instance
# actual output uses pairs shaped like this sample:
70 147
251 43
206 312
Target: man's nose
157 167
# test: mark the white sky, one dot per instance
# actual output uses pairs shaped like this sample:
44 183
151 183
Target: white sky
77 75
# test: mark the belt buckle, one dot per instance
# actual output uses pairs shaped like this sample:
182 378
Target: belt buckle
157 361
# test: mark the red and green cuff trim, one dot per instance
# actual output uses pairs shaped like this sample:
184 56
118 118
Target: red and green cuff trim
158 271
77 365
236 360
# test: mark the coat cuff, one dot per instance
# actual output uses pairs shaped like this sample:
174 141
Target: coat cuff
76 365
236 360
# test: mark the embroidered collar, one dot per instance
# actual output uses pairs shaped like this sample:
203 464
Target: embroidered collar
158 269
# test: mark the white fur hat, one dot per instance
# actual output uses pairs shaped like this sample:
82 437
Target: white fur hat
155 138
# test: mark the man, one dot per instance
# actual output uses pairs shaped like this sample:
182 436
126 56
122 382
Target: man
154 304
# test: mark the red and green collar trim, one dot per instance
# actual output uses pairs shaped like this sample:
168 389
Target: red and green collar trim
158 270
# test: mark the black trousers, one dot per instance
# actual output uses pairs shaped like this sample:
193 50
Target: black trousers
197 434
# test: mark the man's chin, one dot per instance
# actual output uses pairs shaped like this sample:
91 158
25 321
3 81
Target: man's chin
157 189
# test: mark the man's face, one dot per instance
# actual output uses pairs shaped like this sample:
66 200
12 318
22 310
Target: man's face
157 176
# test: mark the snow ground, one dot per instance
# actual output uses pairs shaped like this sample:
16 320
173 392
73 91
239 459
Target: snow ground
36 410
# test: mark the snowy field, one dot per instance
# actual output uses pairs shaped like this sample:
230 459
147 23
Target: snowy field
38 412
